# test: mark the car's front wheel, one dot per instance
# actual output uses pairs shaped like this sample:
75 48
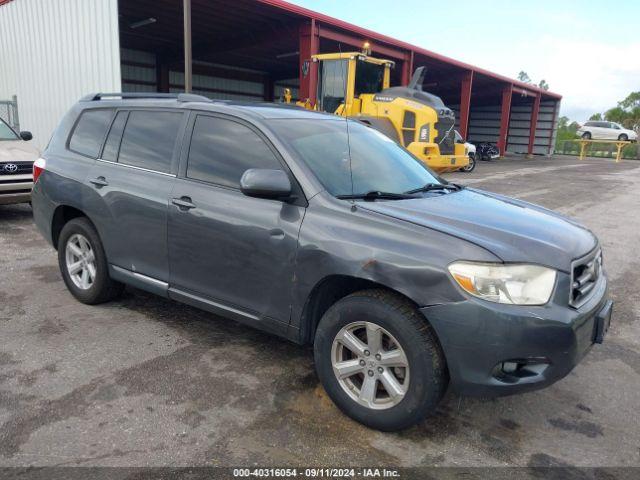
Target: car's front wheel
623 137
379 360
472 164
83 263
586 136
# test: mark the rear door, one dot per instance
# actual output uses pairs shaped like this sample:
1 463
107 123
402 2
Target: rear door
228 251
604 132
133 179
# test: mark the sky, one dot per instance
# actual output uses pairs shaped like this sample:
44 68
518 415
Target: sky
587 51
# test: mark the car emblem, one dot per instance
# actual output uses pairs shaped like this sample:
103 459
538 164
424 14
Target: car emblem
11 167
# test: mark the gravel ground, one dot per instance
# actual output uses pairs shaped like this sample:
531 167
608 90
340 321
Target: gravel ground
149 382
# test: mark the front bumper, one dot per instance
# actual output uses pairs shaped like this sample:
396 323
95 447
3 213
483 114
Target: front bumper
477 337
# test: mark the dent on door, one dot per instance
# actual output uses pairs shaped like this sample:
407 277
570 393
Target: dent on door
233 250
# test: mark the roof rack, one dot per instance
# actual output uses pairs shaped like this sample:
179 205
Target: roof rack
180 97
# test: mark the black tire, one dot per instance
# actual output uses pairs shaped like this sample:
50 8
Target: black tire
623 137
397 315
103 287
586 136
472 164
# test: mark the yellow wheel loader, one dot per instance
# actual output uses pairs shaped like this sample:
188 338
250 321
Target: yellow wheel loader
357 85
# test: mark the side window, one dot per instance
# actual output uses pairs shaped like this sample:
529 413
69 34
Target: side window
149 139
112 146
90 131
589 124
222 150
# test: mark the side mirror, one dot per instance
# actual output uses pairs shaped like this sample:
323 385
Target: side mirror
26 136
264 183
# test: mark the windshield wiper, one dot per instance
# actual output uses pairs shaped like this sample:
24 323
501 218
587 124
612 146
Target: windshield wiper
430 187
376 195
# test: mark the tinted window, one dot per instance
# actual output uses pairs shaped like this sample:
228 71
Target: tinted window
369 77
366 159
90 131
112 145
149 140
222 150
589 124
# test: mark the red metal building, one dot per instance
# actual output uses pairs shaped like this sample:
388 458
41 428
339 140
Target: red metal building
252 49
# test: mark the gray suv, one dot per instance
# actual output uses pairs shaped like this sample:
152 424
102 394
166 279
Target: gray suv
324 232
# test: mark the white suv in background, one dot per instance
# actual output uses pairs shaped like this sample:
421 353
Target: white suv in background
598 130
470 148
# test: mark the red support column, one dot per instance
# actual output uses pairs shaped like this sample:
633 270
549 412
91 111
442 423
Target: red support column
553 127
407 69
504 119
465 103
534 123
309 45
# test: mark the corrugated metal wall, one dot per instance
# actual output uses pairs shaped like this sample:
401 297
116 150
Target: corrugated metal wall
52 52
139 75
484 126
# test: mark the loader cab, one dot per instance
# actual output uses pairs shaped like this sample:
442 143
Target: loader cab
344 77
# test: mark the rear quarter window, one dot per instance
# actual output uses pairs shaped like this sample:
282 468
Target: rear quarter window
89 132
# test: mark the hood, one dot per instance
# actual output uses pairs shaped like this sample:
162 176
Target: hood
17 151
513 230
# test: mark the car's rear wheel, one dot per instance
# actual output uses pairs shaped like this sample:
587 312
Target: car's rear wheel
586 136
472 164
83 263
379 360
623 137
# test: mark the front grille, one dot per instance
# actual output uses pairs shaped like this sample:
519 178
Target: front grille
16 168
446 136
585 273
13 192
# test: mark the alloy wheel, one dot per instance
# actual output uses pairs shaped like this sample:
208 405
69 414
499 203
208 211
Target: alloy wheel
370 365
80 261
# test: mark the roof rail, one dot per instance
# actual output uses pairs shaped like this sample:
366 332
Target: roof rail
180 97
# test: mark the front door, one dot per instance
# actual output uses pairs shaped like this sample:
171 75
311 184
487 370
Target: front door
233 251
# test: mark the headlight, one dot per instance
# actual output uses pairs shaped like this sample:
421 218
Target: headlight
517 284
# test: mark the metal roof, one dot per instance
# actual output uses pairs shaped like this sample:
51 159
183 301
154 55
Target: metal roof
369 34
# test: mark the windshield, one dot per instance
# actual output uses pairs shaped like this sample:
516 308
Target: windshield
6 133
377 163
369 77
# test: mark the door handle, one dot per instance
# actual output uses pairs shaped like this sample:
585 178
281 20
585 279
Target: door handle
99 182
183 203
277 233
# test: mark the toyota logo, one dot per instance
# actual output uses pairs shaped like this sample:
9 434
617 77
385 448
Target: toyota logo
11 167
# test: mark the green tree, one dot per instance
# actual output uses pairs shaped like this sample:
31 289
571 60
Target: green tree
616 114
563 122
596 116
632 101
543 84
